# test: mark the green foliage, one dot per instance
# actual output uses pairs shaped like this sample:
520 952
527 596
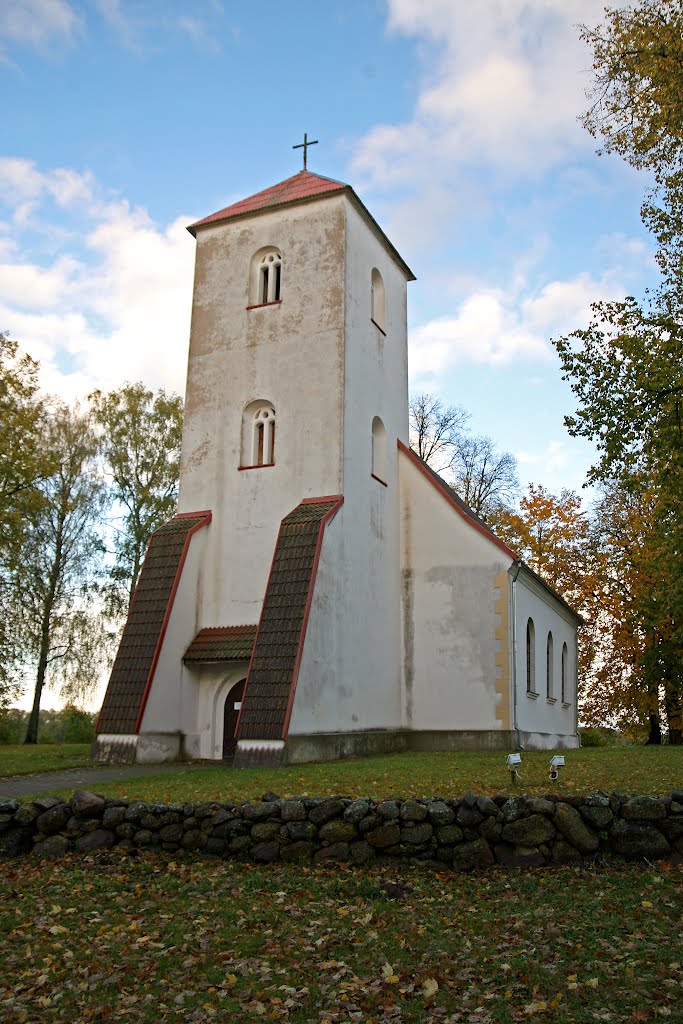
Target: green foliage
196 942
140 444
25 461
626 367
595 737
637 95
57 578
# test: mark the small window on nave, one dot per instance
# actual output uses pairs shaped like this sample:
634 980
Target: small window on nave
258 435
530 657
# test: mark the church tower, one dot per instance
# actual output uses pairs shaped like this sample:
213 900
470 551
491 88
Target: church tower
289 512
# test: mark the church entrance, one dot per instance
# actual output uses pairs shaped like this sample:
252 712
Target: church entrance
231 711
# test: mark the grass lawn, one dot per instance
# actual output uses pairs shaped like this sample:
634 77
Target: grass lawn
17 759
111 938
654 770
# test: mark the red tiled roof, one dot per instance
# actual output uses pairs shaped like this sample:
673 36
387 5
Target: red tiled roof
300 188
148 617
221 643
271 681
296 189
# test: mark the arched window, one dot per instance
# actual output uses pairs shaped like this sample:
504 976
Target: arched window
549 667
265 277
565 666
377 289
379 450
258 435
530 657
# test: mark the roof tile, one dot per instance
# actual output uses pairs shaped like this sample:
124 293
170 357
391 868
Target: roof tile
221 643
298 188
142 633
272 678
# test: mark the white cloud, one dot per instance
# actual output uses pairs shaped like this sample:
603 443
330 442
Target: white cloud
503 84
495 327
37 23
115 309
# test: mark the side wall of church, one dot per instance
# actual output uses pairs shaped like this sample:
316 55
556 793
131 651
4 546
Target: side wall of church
288 354
541 709
350 676
451 590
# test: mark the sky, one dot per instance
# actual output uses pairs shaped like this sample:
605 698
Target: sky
457 124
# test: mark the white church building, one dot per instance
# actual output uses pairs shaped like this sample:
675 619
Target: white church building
322 593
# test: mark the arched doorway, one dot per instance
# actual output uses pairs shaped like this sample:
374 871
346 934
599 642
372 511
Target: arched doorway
231 711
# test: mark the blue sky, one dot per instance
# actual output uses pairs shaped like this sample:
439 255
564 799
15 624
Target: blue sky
456 123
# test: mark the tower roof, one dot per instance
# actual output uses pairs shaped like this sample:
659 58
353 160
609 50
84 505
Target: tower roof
300 188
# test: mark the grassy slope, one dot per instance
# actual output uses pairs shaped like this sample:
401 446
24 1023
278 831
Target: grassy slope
655 770
110 938
18 759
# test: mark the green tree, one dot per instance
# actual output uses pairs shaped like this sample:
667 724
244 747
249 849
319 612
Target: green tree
626 367
57 578
140 442
25 460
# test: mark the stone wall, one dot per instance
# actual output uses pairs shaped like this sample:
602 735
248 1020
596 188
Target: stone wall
471 832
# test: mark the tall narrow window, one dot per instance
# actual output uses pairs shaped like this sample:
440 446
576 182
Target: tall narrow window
565 660
530 657
377 294
258 435
379 450
549 667
265 278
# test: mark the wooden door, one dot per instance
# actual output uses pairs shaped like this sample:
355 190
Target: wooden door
231 711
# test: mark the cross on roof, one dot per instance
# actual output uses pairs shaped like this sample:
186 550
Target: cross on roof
304 145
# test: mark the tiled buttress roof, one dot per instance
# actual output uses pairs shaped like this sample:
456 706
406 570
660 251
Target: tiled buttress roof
274 667
221 643
147 618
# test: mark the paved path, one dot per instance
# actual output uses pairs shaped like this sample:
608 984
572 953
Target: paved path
83 778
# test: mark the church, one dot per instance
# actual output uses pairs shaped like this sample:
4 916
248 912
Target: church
322 592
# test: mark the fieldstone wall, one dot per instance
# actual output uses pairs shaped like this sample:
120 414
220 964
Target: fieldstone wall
471 832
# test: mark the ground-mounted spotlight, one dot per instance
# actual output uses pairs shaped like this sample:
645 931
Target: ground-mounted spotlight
556 763
513 763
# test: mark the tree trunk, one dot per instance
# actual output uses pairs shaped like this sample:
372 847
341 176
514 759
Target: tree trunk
655 737
33 718
673 702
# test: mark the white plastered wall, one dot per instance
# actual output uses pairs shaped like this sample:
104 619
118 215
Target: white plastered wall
536 714
449 617
350 675
289 354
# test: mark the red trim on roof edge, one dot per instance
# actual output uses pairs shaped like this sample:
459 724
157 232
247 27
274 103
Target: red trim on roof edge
416 461
307 610
326 497
169 607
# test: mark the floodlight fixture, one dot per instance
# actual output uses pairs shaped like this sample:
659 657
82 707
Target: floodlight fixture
556 763
513 763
